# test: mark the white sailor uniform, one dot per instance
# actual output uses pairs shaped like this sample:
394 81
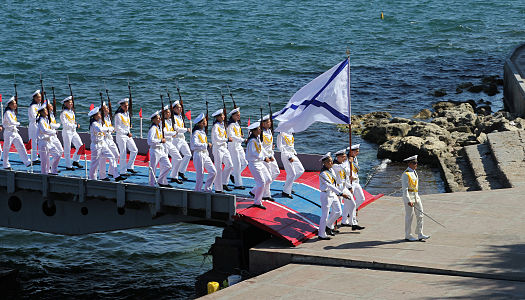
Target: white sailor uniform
55 141
12 137
409 184
359 195
237 152
158 155
202 160
108 138
255 155
171 149
273 168
46 147
342 173
179 141
219 139
70 135
330 194
33 129
294 170
124 142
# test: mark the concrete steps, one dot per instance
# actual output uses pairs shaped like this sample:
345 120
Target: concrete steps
487 175
508 150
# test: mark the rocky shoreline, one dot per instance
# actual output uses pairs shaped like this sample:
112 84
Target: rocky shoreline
438 135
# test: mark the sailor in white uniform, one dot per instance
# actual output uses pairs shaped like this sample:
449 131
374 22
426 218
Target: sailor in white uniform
413 205
329 198
32 112
171 149
257 156
99 148
293 167
108 137
54 138
179 141
201 159
45 143
69 134
221 155
158 152
353 163
271 164
11 135
124 138
235 147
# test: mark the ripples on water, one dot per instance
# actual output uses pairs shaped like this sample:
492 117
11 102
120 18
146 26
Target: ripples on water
259 48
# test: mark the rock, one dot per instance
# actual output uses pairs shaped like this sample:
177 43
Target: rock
484 110
463 128
464 138
442 122
440 93
461 117
459 91
519 123
428 149
425 130
490 89
401 120
382 132
465 85
444 105
475 89
423 114
482 138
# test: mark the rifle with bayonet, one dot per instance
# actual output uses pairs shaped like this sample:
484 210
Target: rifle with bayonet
183 115
170 108
71 94
234 107
101 105
271 115
130 109
163 121
16 95
206 127
54 102
223 106
109 102
43 97
260 125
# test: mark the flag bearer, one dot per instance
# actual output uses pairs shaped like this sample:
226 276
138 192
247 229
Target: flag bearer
171 149
179 141
271 165
293 167
413 205
45 143
358 193
69 134
124 138
235 147
201 159
11 135
108 136
32 113
256 156
221 155
329 197
157 152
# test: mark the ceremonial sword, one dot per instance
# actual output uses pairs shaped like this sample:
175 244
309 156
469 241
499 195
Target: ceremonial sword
428 216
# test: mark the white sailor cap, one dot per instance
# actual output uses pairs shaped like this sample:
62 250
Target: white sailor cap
267 117
411 158
67 99
94 111
199 118
175 103
153 115
218 112
35 93
104 104
235 110
254 125
123 100
10 100
340 152
326 156
355 147
41 107
166 107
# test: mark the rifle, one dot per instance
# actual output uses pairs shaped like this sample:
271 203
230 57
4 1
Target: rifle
206 128
271 115
235 106
172 114
54 102
162 115
109 102
71 94
130 109
223 106
101 104
43 97
260 124
16 95
180 101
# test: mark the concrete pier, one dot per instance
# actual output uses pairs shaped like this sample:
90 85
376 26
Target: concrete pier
514 82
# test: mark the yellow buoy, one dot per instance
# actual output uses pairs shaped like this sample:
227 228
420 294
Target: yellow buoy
213 287
382 17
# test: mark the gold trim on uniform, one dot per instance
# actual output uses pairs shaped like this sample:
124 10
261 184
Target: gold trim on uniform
412 184
289 142
332 179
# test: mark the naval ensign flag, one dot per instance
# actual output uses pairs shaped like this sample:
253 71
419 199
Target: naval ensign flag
325 99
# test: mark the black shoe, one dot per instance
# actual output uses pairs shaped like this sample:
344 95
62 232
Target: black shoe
241 187
55 174
259 206
219 192
126 174
70 169
251 194
268 199
345 225
109 175
357 227
120 178
106 179
335 230
181 175
329 231
76 164
36 162
176 180
132 171
232 179
323 238
226 188
8 169
283 194
165 185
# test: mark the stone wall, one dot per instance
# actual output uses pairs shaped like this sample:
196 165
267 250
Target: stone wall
514 82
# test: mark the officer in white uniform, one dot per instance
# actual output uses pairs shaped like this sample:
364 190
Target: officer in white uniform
69 134
256 156
201 159
45 143
342 176
179 141
413 205
11 135
124 138
293 167
329 196
353 163
235 147
158 152
171 149
32 112
221 155
108 137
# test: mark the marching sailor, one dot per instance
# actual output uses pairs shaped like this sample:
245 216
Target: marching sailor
124 138
271 165
342 174
358 193
108 137
32 113
11 135
201 159
54 125
413 205
69 134
99 148
293 167
235 147
219 139
171 150
45 143
256 156
157 152
179 141
329 198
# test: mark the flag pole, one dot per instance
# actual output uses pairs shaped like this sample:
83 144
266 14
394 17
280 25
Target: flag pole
349 100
